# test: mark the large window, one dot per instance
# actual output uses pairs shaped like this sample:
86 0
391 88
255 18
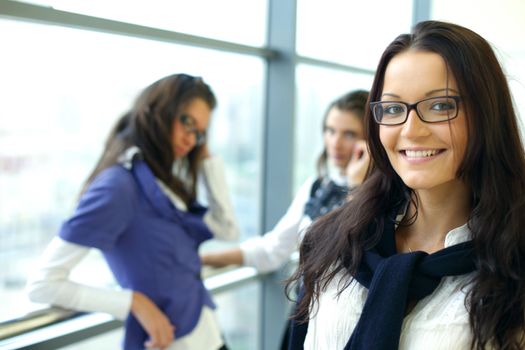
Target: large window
62 89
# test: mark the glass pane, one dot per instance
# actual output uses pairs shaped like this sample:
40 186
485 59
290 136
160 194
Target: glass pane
61 91
503 31
316 89
239 315
209 18
350 32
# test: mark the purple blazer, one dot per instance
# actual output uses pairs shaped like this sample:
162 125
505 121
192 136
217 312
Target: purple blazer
149 245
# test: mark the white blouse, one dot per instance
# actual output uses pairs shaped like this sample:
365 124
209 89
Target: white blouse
437 322
273 249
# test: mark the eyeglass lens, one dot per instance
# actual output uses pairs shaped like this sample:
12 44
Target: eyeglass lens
432 110
189 126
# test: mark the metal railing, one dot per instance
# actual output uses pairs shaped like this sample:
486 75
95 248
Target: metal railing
55 327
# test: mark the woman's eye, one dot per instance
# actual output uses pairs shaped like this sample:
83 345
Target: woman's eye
441 106
393 109
350 135
187 121
184 119
329 131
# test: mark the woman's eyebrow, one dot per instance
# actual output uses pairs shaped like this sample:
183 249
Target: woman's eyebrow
390 94
431 92
439 90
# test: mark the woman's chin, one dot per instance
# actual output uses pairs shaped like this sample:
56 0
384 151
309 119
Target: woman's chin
338 163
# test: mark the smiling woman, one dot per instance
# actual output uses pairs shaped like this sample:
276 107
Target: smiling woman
429 252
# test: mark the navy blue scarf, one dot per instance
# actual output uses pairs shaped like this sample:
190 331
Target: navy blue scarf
325 196
393 280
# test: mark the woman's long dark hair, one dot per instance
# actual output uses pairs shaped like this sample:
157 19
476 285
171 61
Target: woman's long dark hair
493 168
149 125
353 101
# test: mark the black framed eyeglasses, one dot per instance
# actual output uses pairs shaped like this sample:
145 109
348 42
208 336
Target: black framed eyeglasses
188 123
430 110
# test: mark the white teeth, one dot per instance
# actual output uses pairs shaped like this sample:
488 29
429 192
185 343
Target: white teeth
420 154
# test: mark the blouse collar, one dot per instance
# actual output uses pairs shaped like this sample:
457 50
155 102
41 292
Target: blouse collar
334 173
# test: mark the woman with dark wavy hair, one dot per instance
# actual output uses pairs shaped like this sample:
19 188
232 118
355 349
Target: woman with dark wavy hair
139 209
430 252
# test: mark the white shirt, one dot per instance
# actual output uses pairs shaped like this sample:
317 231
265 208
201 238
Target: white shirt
49 283
439 321
272 250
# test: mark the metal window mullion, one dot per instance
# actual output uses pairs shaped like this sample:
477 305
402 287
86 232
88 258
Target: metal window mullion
277 167
421 10
48 15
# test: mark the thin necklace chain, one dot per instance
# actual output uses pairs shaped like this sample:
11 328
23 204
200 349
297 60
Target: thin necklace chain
406 244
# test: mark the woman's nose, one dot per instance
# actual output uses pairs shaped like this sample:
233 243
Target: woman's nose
414 126
336 140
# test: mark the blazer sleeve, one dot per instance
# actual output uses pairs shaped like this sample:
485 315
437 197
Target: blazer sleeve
104 211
